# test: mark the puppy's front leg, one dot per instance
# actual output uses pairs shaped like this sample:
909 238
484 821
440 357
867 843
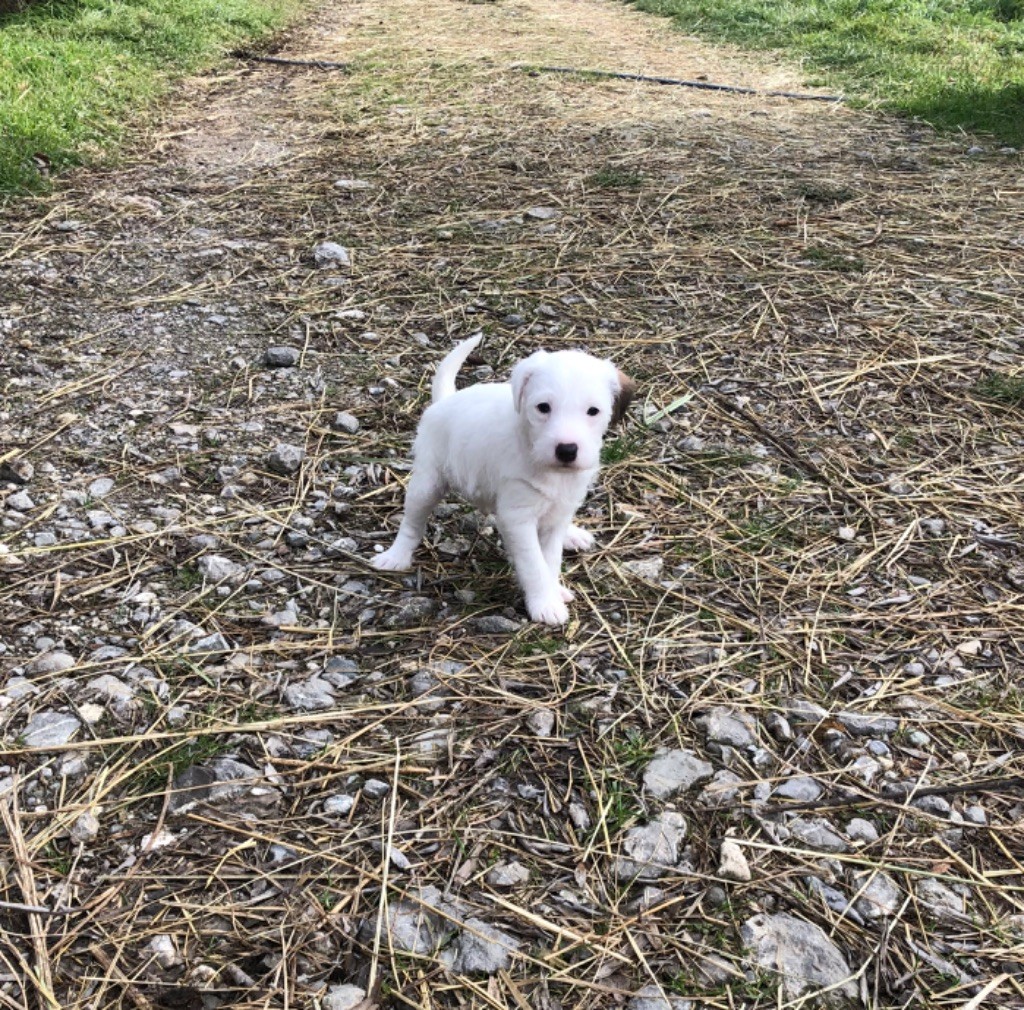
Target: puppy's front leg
544 601
552 540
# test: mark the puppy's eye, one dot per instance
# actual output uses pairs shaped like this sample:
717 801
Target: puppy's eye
593 412
544 408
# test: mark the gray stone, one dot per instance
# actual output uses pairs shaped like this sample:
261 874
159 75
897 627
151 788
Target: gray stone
511 874
331 254
817 833
20 501
860 830
17 471
495 624
543 213
779 727
802 956
801 788
651 849
351 185
210 646
44 539
285 459
733 863
541 722
281 357
721 791
86 828
648 569
833 898
480 947
338 805
938 806
376 789
412 612
730 727
418 924
675 771
51 662
101 487
867 724
309 695
878 894
342 997
50 729
111 689
216 568
652 997
939 899
344 421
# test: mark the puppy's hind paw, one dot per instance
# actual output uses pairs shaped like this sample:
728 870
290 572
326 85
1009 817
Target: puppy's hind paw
567 594
392 561
548 610
577 539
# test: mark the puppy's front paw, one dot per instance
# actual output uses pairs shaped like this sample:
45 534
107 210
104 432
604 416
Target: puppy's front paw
548 610
577 539
567 594
393 561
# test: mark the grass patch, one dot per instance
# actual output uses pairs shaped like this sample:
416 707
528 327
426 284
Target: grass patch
1007 389
611 177
72 72
953 63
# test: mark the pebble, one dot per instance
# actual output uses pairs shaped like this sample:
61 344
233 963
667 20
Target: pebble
351 184
344 421
919 738
733 863
480 947
51 662
541 722
331 254
652 997
412 612
730 727
310 695
19 501
801 955
338 805
802 789
163 949
847 533
511 874
651 849
343 997
17 471
860 830
721 791
817 833
938 806
940 899
648 569
281 357
101 487
285 459
86 828
210 646
779 727
675 771
867 724
376 789
50 729
495 624
217 568
543 213
879 895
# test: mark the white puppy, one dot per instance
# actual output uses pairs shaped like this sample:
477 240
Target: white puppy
525 451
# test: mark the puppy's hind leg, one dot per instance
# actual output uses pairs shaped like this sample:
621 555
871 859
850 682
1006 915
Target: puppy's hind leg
577 539
425 490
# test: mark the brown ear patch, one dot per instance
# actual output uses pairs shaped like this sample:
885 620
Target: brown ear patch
623 398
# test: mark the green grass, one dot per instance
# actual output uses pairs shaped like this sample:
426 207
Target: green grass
953 63
73 72
1007 389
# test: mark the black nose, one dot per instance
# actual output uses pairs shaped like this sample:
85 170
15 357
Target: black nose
565 452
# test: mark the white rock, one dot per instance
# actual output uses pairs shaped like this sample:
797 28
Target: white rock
651 997
310 695
163 949
651 849
331 254
648 569
86 828
733 863
542 722
480 947
101 487
860 830
344 421
940 899
20 501
343 997
217 568
339 805
674 771
50 729
878 896
510 874
51 662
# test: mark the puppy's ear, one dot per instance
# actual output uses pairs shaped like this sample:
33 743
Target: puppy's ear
624 389
521 376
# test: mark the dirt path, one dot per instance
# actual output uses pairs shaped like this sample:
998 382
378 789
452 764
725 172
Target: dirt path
231 745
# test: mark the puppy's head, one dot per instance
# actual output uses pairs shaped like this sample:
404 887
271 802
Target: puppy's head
566 401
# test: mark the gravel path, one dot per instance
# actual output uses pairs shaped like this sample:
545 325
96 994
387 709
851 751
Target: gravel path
776 754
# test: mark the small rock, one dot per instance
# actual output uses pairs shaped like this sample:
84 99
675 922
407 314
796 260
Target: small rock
543 213
412 612
511 874
310 695
480 947
938 898
878 897
648 569
938 806
331 254
339 805
847 533
344 421
818 834
733 863
692 443
802 789
351 184
652 849
163 949
216 568
860 830
51 662
285 459
675 771
50 729
495 624
343 997
19 501
210 646
919 738
376 789
866 724
652 997
281 357
86 828
730 727
778 726
802 956
721 791
541 722
101 487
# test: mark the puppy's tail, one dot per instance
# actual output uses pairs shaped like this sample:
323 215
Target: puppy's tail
444 377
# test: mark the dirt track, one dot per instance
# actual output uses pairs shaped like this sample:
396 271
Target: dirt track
813 503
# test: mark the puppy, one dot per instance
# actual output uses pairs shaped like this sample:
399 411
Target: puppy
525 451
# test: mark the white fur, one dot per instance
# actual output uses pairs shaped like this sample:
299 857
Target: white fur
492 443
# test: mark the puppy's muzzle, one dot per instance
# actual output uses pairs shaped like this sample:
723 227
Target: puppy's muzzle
565 452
